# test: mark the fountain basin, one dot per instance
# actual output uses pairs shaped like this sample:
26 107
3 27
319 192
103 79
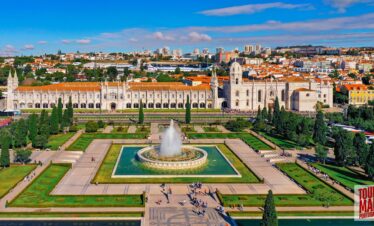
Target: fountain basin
190 157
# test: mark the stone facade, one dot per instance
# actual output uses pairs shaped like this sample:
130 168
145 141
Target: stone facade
236 93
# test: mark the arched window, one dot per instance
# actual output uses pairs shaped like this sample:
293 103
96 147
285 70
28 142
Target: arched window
282 95
237 93
37 105
209 105
91 105
150 105
237 81
195 105
165 105
173 105
158 105
259 96
247 92
180 105
128 105
237 103
136 105
98 105
83 105
75 105
202 105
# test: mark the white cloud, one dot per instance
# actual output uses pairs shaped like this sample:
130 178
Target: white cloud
198 37
161 36
42 42
365 21
254 8
8 50
28 47
342 5
133 40
66 41
83 41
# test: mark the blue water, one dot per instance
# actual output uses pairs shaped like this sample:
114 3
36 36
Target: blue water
310 222
216 165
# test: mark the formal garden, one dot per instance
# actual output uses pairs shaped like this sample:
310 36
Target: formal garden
38 194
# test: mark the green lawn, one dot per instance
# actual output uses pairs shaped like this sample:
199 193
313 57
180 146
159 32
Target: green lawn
12 175
55 141
320 193
211 129
85 139
70 215
344 175
37 194
281 142
104 174
251 140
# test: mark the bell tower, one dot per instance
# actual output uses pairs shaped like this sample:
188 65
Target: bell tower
214 87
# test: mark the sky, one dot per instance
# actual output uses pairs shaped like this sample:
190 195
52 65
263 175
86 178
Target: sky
44 26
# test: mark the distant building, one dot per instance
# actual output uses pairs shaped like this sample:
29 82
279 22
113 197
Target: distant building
358 94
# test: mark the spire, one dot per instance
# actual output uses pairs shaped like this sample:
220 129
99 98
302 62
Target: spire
10 74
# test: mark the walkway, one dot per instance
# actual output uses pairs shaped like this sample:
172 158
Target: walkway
72 139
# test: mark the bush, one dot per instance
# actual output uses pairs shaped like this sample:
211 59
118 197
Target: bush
91 127
73 128
119 129
237 125
101 124
41 141
23 156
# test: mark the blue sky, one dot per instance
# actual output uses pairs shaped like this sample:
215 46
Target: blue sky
39 26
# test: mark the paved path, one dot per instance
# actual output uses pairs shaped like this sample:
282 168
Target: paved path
199 129
108 129
223 129
277 181
132 129
155 132
72 139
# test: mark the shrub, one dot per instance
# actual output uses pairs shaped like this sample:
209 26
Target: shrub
23 156
91 127
73 128
101 124
237 125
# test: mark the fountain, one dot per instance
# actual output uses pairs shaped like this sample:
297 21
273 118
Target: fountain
171 154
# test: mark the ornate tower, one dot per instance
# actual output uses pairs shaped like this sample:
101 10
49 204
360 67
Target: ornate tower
235 86
214 87
12 84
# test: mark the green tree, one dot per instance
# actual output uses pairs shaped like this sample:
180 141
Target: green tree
23 156
41 141
188 110
177 71
369 166
276 114
259 124
70 112
320 129
5 144
270 116
44 123
269 217
20 133
54 121
112 73
65 120
343 149
141 113
362 149
91 127
59 110
33 126
321 153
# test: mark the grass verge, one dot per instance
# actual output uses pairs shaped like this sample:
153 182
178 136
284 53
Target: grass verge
37 194
55 141
71 215
12 175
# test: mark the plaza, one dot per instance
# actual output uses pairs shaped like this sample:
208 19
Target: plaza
93 180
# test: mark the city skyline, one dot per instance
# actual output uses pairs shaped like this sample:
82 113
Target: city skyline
41 27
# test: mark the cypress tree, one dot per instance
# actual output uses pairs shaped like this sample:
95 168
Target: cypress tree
59 110
70 112
44 124
33 127
270 116
269 217
65 119
369 166
188 110
320 129
20 133
264 113
141 113
276 111
4 158
54 121
362 149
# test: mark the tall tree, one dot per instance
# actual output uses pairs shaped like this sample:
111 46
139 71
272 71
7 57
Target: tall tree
141 113
59 110
20 133
362 149
54 125
33 126
70 112
369 166
270 115
276 114
343 149
269 217
44 124
188 110
259 124
320 129
321 153
65 120
5 144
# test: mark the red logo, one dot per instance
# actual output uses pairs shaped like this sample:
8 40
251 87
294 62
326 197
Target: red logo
365 202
